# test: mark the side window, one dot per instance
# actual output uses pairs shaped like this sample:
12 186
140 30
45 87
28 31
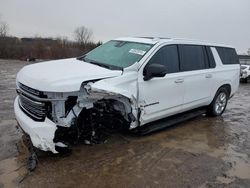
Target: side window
167 56
228 55
192 57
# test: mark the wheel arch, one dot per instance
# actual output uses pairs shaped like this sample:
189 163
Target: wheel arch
225 85
210 110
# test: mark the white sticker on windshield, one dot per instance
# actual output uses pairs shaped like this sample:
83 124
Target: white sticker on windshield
136 51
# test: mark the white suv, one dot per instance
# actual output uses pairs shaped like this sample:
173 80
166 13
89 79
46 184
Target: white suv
123 84
245 73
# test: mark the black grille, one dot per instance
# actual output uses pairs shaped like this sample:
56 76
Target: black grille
31 91
35 109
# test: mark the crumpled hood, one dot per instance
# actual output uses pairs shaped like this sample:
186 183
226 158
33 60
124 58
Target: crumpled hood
64 75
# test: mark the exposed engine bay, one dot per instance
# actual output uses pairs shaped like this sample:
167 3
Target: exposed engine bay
91 126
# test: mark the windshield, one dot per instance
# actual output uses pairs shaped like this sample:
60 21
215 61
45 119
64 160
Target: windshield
117 54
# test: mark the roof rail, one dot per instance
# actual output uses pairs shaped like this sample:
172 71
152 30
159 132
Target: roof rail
186 39
154 38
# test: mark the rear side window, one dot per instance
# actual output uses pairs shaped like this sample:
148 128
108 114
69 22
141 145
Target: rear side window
167 56
228 56
192 57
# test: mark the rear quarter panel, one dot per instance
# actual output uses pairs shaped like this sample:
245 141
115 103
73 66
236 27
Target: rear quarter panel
225 74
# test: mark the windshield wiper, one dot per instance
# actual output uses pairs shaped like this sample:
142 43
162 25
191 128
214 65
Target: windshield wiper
111 67
99 64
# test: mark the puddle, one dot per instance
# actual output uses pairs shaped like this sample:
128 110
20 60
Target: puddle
240 164
225 180
9 172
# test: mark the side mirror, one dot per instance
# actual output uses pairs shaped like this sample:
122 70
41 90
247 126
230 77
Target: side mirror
154 70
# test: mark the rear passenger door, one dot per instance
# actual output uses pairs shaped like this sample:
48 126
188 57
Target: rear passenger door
195 68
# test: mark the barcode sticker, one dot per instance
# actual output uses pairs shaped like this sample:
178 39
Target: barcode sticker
136 51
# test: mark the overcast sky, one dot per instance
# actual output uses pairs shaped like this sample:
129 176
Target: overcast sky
222 21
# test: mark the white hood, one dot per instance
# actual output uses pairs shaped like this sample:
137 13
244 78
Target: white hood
64 75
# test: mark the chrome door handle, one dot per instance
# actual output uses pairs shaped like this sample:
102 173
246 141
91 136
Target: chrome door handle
208 76
179 81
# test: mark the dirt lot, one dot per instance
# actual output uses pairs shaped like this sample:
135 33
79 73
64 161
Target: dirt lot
204 152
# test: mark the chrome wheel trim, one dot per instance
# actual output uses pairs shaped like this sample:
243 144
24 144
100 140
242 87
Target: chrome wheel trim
220 102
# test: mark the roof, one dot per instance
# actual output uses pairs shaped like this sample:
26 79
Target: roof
154 40
244 57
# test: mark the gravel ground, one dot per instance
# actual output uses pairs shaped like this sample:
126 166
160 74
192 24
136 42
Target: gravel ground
203 152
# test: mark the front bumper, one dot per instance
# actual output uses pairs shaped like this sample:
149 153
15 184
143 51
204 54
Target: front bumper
41 133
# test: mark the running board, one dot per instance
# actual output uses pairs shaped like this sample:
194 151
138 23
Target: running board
167 122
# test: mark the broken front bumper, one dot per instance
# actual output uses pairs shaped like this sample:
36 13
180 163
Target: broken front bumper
41 133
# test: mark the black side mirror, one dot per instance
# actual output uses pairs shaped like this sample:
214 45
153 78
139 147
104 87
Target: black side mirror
154 70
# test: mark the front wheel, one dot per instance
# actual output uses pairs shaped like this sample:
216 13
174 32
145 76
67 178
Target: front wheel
219 103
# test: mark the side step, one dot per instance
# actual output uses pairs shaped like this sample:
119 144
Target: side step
167 122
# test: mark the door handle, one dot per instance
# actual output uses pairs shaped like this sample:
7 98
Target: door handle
208 76
179 81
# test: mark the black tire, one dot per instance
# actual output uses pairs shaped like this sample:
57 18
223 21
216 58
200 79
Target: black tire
212 109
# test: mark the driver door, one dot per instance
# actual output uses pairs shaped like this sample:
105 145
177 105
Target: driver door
160 97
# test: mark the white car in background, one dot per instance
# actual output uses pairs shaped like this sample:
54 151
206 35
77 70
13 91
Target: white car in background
245 73
126 83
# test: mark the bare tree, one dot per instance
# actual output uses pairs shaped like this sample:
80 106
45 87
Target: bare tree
83 35
248 51
3 29
63 41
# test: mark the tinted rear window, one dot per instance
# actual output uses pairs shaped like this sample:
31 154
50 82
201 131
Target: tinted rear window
228 55
192 57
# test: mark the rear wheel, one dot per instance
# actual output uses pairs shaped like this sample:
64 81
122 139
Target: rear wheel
219 103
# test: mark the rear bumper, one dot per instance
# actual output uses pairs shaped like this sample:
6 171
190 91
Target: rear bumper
41 133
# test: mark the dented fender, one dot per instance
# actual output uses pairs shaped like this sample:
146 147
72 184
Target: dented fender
123 89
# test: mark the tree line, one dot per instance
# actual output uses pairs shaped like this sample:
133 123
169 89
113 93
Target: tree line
45 48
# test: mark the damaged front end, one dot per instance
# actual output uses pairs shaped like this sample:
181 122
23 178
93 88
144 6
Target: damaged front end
59 120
